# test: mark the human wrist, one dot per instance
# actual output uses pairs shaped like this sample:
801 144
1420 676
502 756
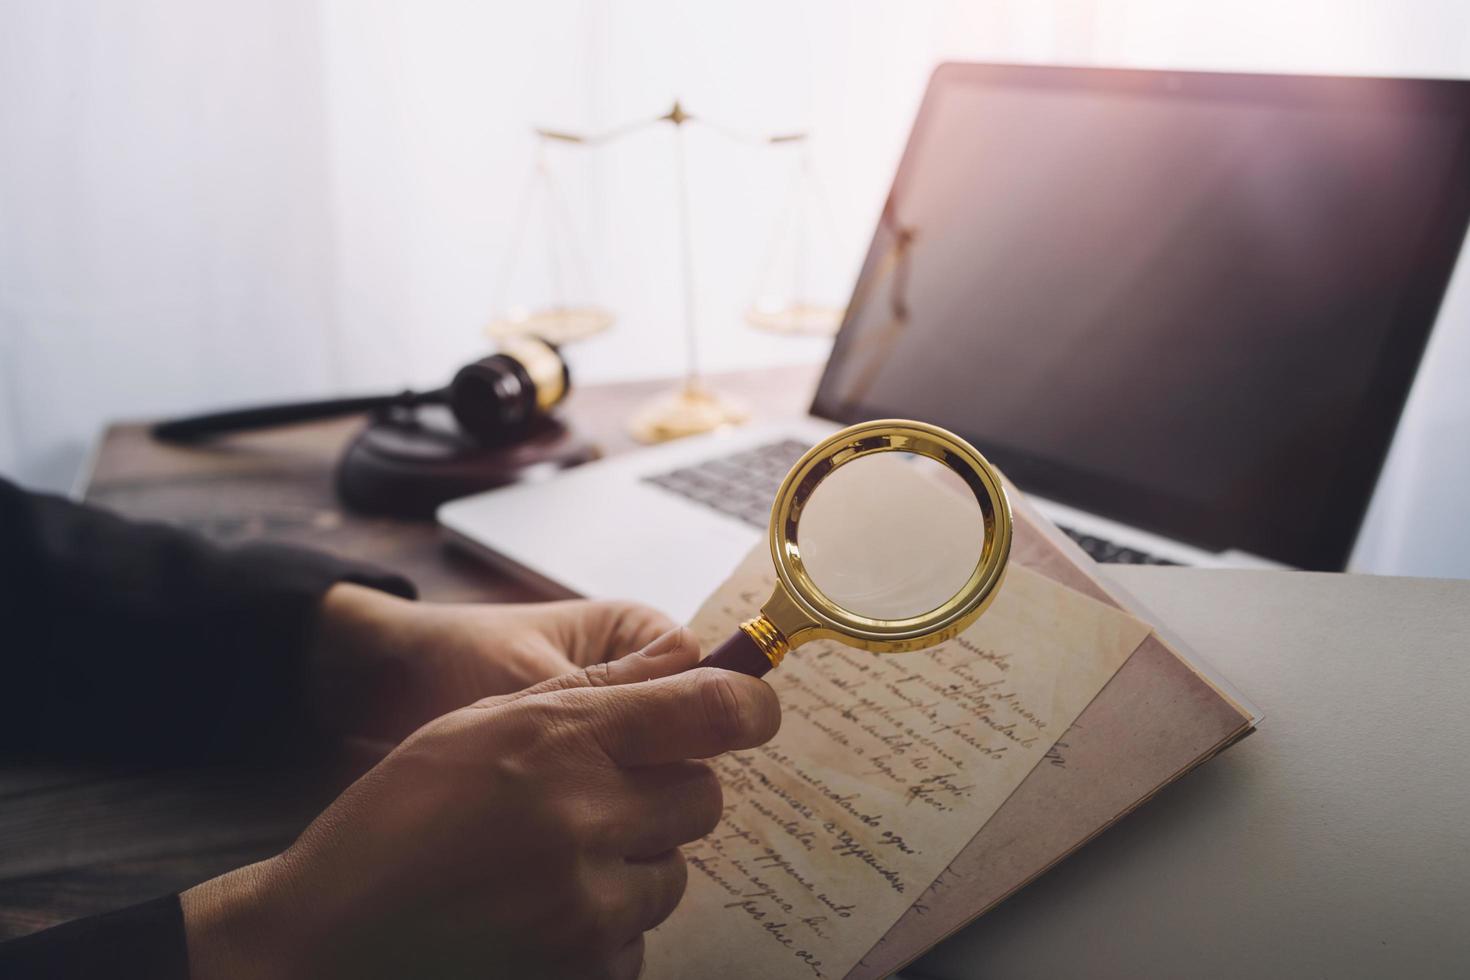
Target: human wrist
235 927
355 662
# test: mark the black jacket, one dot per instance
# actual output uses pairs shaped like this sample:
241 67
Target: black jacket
120 638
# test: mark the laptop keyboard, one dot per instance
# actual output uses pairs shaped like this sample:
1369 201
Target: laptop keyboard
744 484
1110 552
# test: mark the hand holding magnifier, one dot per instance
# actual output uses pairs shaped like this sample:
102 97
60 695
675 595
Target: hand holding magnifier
872 550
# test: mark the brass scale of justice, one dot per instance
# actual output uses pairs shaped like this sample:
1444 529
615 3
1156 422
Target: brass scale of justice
692 408
800 609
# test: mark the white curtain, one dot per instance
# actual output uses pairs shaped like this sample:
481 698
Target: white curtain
206 203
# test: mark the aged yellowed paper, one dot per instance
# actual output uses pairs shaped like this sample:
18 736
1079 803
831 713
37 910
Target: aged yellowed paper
885 767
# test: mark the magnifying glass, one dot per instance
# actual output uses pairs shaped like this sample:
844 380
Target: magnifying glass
887 536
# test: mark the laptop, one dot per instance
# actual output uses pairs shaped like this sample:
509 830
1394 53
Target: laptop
1182 311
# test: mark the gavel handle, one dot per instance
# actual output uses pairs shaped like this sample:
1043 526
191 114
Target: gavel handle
198 427
739 653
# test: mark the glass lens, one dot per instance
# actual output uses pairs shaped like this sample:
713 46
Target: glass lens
891 535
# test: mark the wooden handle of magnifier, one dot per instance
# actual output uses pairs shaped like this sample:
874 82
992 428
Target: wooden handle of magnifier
739 653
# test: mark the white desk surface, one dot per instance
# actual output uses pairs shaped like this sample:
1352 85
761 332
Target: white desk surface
1333 842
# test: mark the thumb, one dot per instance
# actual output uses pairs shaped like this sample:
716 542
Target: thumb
674 652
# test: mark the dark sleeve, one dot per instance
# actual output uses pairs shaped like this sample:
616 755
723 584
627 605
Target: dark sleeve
145 941
128 638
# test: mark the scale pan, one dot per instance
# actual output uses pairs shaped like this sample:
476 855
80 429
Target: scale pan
797 319
555 324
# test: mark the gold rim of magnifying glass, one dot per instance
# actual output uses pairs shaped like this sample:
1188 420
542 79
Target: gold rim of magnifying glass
799 609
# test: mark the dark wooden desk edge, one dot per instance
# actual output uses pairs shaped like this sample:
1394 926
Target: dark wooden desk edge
76 839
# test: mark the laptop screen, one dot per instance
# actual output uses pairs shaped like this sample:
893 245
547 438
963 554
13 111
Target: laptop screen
1191 302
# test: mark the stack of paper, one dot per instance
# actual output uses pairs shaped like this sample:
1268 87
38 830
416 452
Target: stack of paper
906 794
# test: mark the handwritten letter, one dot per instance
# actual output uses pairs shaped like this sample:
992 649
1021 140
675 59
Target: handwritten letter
885 767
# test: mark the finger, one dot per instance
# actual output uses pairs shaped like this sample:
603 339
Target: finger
624 899
692 715
627 963
650 890
672 653
624 963
672 805
631 627
591 632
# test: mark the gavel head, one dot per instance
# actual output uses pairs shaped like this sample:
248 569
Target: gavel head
498 398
